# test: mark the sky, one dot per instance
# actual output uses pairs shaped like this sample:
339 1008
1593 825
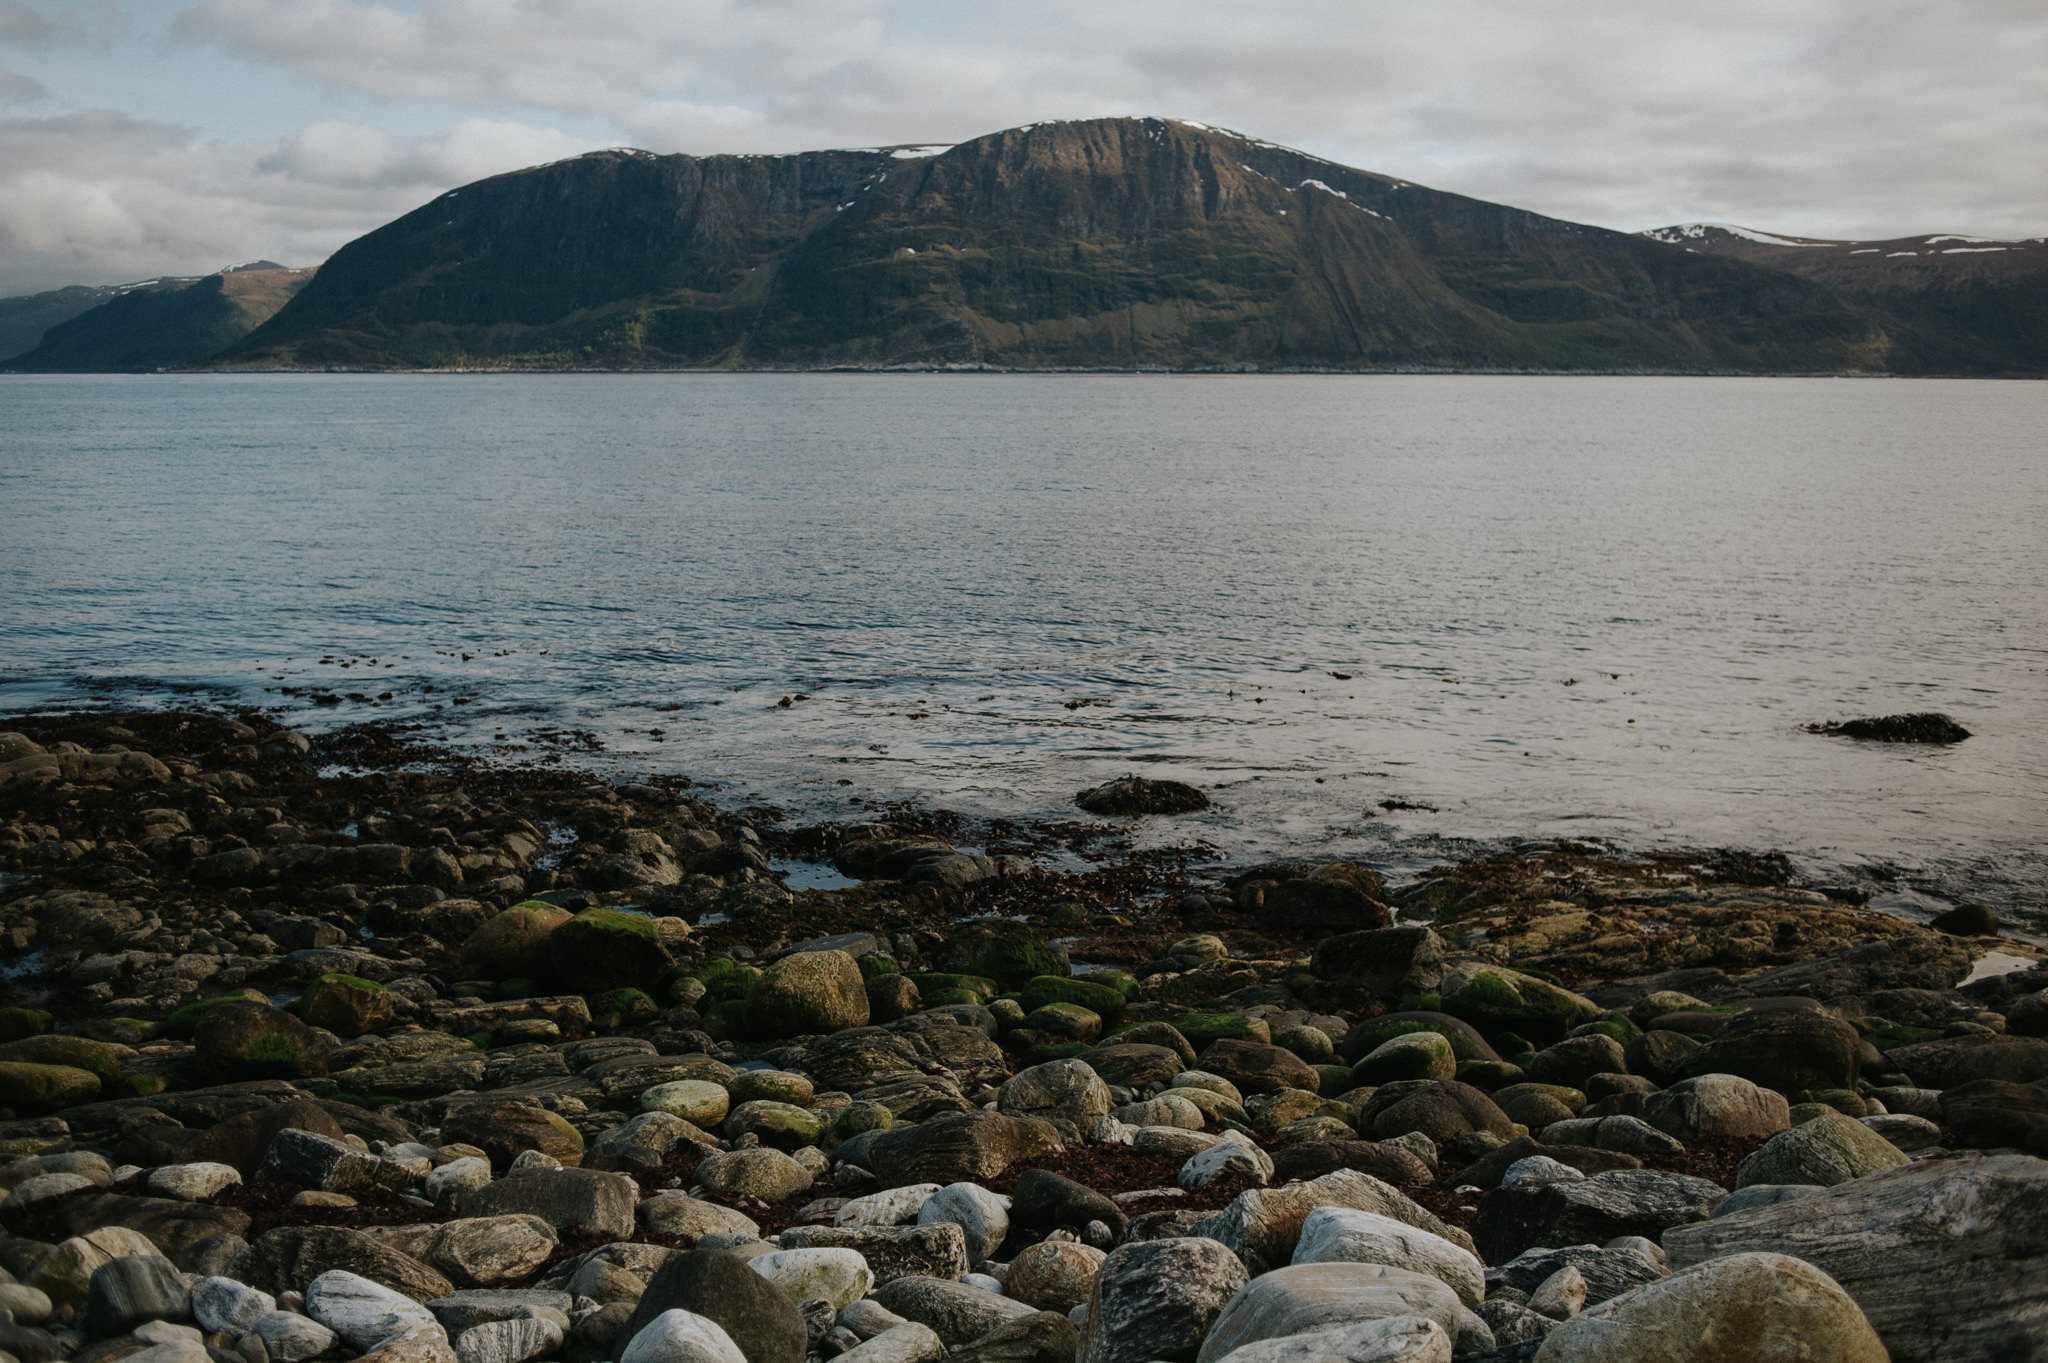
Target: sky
149 137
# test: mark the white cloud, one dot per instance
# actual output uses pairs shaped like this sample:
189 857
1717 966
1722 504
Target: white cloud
1826 117
100 197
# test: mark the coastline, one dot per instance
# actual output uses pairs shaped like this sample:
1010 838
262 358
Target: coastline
437 959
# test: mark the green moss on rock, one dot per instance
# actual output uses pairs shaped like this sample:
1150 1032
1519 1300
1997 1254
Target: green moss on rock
29 1087
348 1005
18 1022
95 1057
1496 999
603 949
1105 1002
1009 953
617 1009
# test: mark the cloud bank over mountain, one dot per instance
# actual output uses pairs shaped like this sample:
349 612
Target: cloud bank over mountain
143 138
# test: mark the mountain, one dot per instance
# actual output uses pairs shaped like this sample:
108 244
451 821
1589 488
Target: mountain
1957 304
165 323
25 318
1107 243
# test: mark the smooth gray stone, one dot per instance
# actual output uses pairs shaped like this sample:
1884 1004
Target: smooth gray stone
289 1337
1157 1299
126 1292
224 1304
462 1311
1310 1297
956 1313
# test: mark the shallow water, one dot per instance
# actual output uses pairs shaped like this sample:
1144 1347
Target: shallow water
1383 616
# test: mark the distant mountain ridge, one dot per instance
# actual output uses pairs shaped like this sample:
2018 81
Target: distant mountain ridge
1108 243
156 324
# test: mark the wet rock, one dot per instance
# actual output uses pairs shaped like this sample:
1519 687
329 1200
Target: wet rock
364 1312
807 992
809 1273
958 1314
680 1216
1054 1275
1828 1150
1315 1297
1009 953
289 1258
1717 1107
765 1324
126 1292
1157 1300
1644 1202
1991 1113
1923 727
1134 795
682 1337
1390 962
1943 1257
1067 1093
1262 1225
1343 1235
892 1252
1761 1308
957 1147
246 1040
574 1201
1441 1110
982 1216
506 1128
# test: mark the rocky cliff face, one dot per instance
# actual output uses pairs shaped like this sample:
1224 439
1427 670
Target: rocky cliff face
1115 242
164 324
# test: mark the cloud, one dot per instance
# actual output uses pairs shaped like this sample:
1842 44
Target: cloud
17 91
99 197
1875 116
1831 117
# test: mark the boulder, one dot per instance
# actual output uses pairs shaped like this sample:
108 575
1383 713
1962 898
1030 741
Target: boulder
1787 1050
682 1217
813 1273
64 1275
242 1039
1262 1226
1576 1059
289 1258
1053 1275
1390 962
764 1323
1007 952
600 949
312 1160
1646 1202
1046 1337
957 1147
1136 1065
125 1292
891 1252
1828 1150
1259 1067
805 993
1759 1308
1495 1000
1717 1107
1332 1235
1606 1271
1390 1339
365 1313
478 1252
505 1128
1067 1093
1043 1200
1442 1110
1990 1113
1157 1299
1317 1297
761 1172
1944 1257
982 1216
1134 795
348 1005
957 1313
1409 1056
1337 898
682 1337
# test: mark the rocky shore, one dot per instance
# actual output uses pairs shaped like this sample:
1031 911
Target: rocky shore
353 1050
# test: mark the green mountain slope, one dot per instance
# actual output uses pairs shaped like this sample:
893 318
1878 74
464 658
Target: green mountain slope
1109 243
149 328
1956 304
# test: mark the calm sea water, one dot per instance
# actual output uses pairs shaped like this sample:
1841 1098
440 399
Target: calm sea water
1543 606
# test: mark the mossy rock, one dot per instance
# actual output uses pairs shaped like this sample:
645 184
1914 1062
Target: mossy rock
348 1005
1101 1000
1066 915
241 1040
1202 1028
123 1031
602 949
1411 1055
947 997
1069 1020
1122 981
1788 1051
29 1087
518 987
727 1021
1618 1027
1045 1051
805 993
1333 1078
1423 1003
932 983
616 1009
515 942
875 967
135 1086
95 1057
724 979
1009 953
855 1118
1495 999
181 1024
17 1022
1368 1036
1892 1035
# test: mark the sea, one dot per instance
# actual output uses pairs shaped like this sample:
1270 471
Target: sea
1395 618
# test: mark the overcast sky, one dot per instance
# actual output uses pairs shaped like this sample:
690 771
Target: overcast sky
142 137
